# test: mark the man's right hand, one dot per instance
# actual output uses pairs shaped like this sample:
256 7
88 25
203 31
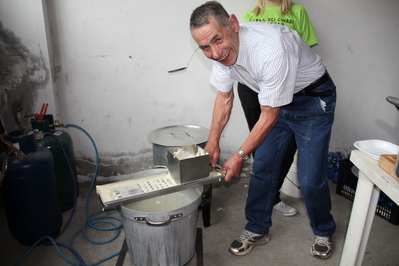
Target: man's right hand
214 153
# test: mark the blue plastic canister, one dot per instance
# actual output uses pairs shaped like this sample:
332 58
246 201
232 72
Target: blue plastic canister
29 192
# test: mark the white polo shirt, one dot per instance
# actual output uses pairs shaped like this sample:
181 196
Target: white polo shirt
273 60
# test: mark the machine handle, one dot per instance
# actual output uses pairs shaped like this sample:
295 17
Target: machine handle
150 223
217 169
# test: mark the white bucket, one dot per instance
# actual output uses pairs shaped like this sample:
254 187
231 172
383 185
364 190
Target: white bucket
291 186
161 231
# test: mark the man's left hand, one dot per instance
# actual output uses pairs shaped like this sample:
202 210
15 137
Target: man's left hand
232 167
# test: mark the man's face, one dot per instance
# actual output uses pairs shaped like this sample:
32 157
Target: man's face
219 43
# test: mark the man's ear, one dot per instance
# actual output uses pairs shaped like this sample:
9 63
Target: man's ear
235 24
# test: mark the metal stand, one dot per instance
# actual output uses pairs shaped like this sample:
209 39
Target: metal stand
199 248
205 206
122 254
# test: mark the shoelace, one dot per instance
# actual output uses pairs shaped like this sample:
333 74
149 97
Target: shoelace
283 205
246 235
322 241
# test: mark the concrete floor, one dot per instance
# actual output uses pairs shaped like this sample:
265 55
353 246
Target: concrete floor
291 237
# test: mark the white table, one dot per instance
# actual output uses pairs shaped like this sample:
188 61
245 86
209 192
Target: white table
372 179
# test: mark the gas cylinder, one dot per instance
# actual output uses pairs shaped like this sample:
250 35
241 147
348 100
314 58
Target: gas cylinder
66 181
29 191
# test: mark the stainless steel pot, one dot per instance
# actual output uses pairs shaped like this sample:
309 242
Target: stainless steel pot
165 138
161 231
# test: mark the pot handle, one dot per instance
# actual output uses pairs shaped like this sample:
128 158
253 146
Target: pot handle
159 167
176 134
150 223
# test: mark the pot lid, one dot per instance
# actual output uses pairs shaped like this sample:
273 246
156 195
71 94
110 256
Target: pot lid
179 135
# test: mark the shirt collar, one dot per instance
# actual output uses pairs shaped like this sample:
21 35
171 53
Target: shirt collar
242 57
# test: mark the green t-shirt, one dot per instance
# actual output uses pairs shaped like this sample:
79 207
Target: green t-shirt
297 20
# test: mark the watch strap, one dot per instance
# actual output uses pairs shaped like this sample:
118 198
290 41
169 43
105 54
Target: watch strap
242 154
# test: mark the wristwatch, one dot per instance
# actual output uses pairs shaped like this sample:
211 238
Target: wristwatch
242 154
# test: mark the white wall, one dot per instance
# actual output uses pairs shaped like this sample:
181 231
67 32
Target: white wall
359 41
111 60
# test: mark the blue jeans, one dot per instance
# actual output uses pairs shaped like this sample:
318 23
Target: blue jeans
250 106
309 119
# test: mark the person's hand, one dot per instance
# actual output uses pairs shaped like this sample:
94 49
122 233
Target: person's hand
232 167
214 153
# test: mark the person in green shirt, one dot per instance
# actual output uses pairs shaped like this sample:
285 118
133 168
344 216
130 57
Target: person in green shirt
286 13
294 16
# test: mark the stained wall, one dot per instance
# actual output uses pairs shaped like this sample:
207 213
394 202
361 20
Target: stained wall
102 65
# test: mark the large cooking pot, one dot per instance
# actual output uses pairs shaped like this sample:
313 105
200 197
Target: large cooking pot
161 231
165 138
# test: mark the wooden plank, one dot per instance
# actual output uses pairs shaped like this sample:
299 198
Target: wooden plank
387 162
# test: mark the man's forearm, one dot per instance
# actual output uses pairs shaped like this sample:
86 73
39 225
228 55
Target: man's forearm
262 128
221 115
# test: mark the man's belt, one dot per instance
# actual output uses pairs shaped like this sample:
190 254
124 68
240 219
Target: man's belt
308 90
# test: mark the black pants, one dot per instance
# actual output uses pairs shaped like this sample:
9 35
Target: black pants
250 105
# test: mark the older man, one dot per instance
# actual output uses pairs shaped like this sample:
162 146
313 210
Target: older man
297 98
